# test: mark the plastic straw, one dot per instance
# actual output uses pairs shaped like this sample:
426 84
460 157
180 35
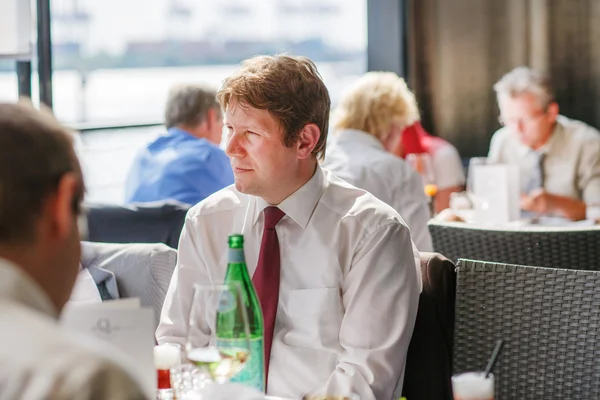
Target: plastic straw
494 358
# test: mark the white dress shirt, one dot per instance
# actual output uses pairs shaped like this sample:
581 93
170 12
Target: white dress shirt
349 284
360 159
571 164
85 290
40 360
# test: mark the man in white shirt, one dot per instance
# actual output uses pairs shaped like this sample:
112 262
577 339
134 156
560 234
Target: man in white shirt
41 188
558 158
368 124
341 313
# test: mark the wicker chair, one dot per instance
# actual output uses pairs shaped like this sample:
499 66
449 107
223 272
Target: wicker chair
549 319
429 358
553 247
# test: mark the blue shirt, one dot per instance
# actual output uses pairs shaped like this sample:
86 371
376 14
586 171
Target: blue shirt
178 166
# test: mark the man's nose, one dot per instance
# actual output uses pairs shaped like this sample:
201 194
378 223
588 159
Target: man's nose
233 147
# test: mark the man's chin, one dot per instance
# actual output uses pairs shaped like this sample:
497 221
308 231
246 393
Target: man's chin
526 143
244 188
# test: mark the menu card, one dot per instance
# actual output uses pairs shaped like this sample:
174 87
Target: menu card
496 193
125 325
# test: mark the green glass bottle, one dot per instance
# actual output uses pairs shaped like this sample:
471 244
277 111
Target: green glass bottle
253 373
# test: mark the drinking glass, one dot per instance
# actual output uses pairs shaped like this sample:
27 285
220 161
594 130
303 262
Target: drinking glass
218 335
473 386
423 164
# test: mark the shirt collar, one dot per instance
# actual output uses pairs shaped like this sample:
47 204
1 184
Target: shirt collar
17 286
174 131
356 135
299 205
547 147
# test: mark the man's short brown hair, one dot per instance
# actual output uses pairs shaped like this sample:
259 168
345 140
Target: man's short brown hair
289 87
35 153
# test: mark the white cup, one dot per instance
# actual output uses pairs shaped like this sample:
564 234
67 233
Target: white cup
473 386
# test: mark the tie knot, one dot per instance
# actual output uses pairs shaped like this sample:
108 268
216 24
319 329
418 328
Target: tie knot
272 217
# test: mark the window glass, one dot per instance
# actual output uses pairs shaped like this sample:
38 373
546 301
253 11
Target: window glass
115 60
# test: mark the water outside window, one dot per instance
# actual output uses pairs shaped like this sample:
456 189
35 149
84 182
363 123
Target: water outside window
115 61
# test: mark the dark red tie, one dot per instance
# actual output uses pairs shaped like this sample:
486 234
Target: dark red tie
266 277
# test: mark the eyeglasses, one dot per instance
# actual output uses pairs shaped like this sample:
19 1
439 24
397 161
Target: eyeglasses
525 121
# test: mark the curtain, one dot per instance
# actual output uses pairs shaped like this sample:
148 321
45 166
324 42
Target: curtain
458 49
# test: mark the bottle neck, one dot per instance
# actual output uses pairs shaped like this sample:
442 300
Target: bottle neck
236 256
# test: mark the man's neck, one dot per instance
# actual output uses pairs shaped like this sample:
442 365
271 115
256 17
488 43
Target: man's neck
545 139
194 131
307 171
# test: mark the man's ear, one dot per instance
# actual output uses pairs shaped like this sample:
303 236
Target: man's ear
307 140
392 141
553 110
210 119
61 206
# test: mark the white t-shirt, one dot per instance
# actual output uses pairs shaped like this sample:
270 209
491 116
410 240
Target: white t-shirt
85 290
447 167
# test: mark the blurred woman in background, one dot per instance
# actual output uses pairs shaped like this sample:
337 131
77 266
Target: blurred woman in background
447 170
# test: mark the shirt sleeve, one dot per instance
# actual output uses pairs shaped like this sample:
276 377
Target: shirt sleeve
412 205
380 296
448 167
190 270
495 153
589 172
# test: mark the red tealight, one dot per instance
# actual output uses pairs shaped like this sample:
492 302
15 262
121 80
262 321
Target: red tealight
163 379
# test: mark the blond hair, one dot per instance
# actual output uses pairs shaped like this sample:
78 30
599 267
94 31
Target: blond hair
374 102
289 87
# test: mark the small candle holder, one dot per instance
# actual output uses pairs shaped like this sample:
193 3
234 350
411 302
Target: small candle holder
166 356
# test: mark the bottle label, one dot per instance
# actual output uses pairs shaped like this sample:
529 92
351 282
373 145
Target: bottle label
236 256
253 373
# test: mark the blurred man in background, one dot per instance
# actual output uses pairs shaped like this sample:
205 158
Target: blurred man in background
558 157
41 189
186 164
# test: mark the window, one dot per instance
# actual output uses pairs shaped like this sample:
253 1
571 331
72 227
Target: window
115 60
8 81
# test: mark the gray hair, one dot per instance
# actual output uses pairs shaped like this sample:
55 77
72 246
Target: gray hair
189 104
526 80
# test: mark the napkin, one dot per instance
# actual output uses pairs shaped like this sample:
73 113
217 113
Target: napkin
229 391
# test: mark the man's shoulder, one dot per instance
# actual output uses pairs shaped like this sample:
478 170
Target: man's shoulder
354 204
225 200
579 130
502 135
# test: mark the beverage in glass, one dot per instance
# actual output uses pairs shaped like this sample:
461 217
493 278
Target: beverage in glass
473 386
218 336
